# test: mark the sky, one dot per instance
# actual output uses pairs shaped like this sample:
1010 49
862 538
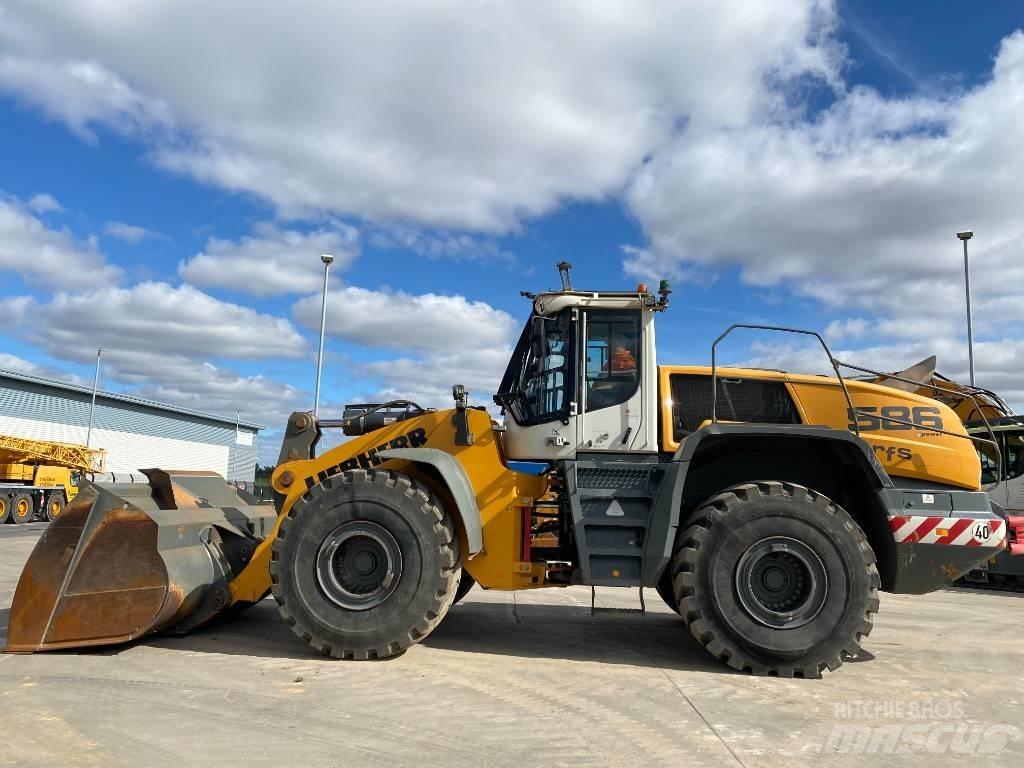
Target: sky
170 173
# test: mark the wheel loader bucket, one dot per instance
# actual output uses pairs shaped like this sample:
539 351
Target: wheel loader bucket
126 560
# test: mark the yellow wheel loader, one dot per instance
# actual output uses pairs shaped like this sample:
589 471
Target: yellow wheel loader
767 509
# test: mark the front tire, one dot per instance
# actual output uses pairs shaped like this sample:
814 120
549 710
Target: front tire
776 579
466 583
365 564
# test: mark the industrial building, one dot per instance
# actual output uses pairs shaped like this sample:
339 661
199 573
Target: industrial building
136 433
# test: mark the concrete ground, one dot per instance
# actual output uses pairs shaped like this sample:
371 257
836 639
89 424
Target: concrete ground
520 680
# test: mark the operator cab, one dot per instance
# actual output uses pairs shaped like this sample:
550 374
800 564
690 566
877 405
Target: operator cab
583 377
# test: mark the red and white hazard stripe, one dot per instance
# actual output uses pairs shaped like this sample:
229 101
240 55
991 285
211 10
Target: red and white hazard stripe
962 531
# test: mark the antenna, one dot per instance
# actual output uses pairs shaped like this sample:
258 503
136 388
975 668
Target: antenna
563 271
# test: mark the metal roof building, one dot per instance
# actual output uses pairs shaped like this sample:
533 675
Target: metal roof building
136 433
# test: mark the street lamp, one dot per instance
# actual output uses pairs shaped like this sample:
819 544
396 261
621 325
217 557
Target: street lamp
95 384
326 258
965 236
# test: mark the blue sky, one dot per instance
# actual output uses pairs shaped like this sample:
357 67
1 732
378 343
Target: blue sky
803 164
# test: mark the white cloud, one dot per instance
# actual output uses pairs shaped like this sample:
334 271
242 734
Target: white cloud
78 92
129 233
49 256
145 328
163 342
272 261
428 381
850 328
447 340
421 113
857 208
10 362
43 203
209 388
403 321
13 311
443 245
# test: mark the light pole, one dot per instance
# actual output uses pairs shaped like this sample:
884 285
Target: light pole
965 236
233 453
326 258
95 384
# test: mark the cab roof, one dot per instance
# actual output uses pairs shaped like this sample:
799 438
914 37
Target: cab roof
552 302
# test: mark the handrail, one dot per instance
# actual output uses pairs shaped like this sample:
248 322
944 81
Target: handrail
836 365
782 329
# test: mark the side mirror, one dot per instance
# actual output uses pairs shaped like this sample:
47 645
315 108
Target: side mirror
537 333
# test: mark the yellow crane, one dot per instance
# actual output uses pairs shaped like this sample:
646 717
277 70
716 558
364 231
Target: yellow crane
39 477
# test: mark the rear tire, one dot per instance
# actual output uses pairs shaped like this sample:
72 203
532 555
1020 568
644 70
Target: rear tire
365 565
23 509
775 579
5 508
54 505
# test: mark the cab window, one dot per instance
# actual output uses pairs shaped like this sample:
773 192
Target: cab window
535 388
989 462
1011 447
1014 455
613 358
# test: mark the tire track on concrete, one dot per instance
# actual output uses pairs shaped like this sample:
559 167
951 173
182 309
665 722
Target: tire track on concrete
531 693
59 739
682 693
412 738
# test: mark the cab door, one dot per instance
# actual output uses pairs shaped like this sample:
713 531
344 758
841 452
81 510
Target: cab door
618 379
537 391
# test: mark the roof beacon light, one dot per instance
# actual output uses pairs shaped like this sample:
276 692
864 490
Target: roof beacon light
664 289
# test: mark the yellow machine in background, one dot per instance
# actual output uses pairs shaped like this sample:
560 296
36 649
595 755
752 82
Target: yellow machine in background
986 415
972 405
767 509
39 477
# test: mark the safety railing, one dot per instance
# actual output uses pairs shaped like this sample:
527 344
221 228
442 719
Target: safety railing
854 411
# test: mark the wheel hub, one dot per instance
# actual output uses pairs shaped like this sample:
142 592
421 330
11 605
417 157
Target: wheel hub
781 582
359 565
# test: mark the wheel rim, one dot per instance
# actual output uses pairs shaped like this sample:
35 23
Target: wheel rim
22 508
781 582
359 565
54 508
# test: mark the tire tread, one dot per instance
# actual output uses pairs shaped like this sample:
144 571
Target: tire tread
442 600
699 527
